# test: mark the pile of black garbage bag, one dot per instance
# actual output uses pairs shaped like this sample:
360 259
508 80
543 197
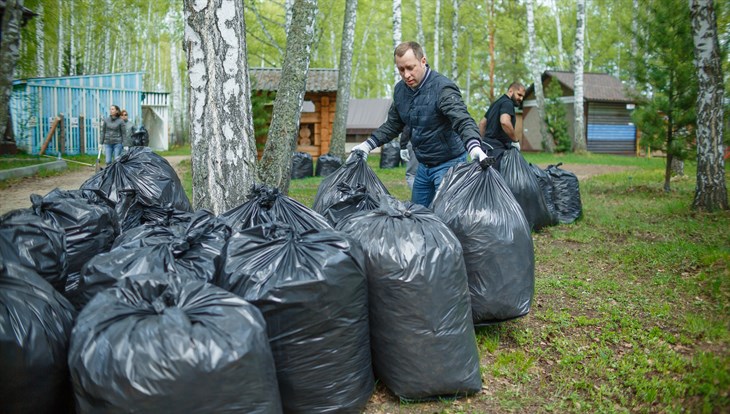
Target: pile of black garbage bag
119 297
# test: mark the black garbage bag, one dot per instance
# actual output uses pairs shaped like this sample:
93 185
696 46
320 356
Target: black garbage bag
312 291
327 164
354 199
422 337
160 345
266 204
355 171
390 154
36 244
192 254
90 227
154 180
566 195
35 327
521 181
141 138
498 251
546 186
302 165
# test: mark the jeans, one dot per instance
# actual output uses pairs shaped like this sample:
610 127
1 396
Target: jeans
114 150
427 180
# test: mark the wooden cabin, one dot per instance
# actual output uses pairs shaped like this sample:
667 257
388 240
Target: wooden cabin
607 110
318 110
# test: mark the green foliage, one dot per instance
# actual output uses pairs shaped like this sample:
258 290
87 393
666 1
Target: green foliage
261 103
555 115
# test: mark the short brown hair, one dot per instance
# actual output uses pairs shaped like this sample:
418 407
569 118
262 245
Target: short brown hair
404 47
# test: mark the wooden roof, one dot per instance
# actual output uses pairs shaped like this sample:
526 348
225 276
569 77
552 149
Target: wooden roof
318 80
597 87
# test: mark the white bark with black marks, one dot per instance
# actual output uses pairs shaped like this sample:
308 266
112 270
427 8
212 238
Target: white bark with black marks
711 190
579 140
397 34
455 31
436 36
40 41
339 129
221 125
10 52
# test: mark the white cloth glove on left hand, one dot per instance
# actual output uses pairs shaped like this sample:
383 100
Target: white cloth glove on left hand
516 145
404 155
476 153
364 147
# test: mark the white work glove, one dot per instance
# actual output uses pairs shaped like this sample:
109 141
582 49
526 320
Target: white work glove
476 153
364 147
516 145
405 155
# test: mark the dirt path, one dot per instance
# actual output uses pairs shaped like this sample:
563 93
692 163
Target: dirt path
18 194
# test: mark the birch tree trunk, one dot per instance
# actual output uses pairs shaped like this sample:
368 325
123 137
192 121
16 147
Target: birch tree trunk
40 41
492 29
10 24
579 141
420 37
547 141
467 94
634 43
455 40
275 167
221 124
177 120
437 35
288 6
105 61
559 30
397 35
59 67
72 40
339 129
711 189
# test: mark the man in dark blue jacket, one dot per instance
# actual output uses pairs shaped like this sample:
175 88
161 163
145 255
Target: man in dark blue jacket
442 131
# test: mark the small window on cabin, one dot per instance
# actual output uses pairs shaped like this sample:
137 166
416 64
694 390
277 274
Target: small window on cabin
308 106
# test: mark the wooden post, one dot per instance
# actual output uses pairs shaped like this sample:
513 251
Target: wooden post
49 136
61 135
82 135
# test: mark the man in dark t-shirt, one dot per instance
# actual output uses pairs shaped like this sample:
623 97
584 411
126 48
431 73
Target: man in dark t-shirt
497 128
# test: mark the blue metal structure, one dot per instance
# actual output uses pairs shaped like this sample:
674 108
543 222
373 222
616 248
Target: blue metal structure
36 102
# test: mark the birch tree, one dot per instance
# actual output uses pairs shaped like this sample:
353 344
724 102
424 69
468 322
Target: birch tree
437 35
559 30
40 41
711 190
420 37
72 40
221 125
579 140
60 43
275 167
10 23
339 129
547 141
455 40
397 35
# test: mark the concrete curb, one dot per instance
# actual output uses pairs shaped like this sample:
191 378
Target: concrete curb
30 170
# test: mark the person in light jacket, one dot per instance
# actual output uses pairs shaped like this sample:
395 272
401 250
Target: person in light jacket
112 133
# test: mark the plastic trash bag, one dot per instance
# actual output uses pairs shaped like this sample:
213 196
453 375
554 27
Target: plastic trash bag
302 165
327 164
500 260
566 195
355 171
421 330
90 227
140 138
268 205
521 180
36 244
154 180
312 291
157 345
354 199
546 186
35 327
191 252
390 154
